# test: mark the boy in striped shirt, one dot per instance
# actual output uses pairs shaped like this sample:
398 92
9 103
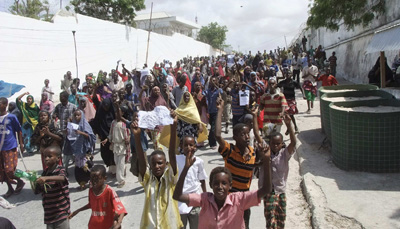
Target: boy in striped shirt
239 158
274 104
53 184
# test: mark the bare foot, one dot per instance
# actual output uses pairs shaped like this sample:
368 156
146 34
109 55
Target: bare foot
20 186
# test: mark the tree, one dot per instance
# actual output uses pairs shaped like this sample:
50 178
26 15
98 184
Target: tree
31 8
330 13
119 11
213 34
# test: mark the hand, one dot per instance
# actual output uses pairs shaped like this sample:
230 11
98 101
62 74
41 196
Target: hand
190 159
123 65
135 128
116 225
254 111
145 87
45 130
41 180
42 132
287 119
266 151
21 147
173 115
72 214
104 142
304 97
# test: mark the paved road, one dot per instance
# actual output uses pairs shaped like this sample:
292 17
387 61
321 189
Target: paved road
29 211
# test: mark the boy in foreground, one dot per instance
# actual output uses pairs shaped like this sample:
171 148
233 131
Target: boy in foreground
107 209
158 181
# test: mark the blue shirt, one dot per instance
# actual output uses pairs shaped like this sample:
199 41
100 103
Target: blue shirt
212 96
9 126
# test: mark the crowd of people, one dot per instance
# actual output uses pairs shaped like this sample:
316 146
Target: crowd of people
255 95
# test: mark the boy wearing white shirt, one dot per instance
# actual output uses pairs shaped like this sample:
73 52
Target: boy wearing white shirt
195 178
310 74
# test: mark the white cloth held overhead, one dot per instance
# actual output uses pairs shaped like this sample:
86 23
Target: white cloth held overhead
160 116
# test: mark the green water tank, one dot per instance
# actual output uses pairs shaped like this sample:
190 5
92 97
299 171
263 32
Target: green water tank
366 141
339 88
324 105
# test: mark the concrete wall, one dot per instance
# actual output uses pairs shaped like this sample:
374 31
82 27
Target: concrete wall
32 50
353 61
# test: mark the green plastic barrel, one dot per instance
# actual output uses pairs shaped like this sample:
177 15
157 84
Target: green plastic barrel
338 88
324 105
366 141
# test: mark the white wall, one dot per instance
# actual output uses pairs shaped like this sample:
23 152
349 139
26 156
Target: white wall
33 50
350 45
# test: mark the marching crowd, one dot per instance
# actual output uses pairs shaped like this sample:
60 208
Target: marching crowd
242 91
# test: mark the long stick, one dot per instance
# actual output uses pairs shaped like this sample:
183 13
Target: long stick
148 37
76 55
383 70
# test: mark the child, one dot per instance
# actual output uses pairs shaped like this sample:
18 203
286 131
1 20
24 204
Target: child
196 177
119 137
79 142
46 134
53 184
222 209
9 128
239 158
275 202
327 79
274 105
158 181
107 209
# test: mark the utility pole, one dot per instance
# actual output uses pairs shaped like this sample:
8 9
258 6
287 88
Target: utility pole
285 41
76 54
148 37
60 4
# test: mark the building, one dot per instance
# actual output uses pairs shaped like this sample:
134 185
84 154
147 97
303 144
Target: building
166 24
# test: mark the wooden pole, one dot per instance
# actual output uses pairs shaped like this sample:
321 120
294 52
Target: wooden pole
76 55
148 37
383 69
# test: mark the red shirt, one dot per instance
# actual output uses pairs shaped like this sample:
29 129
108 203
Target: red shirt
104 207
327 80
124 77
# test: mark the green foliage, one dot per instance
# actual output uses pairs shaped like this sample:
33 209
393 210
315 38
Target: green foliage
119 11
31 8
330 13
213 34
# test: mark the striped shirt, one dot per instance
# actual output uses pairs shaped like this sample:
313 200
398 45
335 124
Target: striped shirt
240 166
236 108
160 210
273 107
56 202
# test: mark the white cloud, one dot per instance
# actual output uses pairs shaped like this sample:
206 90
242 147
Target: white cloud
252 25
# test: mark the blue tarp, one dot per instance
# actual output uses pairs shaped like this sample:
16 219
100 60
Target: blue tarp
9 89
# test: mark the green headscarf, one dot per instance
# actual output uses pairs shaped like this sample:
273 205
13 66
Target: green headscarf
30 113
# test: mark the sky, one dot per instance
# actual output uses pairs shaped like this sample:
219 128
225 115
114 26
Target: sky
252 24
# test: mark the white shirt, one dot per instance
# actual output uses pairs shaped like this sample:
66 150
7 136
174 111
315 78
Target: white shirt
313 70
48 89
192 184
116 86
170 81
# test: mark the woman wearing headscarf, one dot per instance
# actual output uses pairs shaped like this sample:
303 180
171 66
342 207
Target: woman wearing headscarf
201 104
168 96
46 104
101 125
148 104
189 122
46 134
81 145
102 88
30 117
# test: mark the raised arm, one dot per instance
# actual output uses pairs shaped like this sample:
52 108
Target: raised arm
218 128
266 185
138 145
292 146
189 161
22 95
172 143
256 131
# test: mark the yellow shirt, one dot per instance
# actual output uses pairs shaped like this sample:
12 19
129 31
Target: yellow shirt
160 210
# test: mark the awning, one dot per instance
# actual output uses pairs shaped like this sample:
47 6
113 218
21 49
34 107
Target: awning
386 40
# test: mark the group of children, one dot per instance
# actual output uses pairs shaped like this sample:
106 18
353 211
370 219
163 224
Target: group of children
180 179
